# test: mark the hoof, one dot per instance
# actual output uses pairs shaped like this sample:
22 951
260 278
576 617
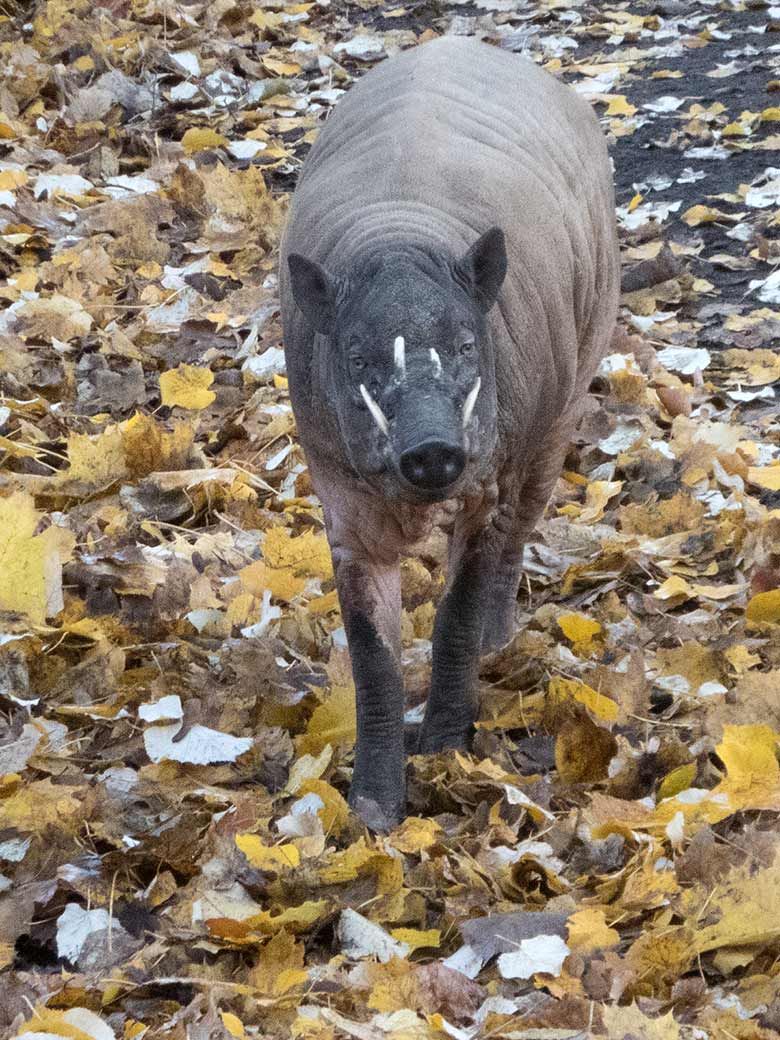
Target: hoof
378 818
433 743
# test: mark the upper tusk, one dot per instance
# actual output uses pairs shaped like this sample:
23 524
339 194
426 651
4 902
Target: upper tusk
376 412
436 363
471 400
399 353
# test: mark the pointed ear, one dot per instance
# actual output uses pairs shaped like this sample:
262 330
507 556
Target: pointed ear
314 291
483 267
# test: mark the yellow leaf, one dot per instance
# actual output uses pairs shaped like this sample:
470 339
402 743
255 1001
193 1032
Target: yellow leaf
417 939
31 564
679 779
98 459
589 931
35 806
598 493
268 857
674 586
151 270
361 860
282 582
623 1022
619 106
634 202
748 909
77 1023
187 387
11 179
281 68
764 607
308 554
703 215
281 382
266 19
335 811
765 476
55 317
771 115
242 610
741 659
149 447
295 918
346 864
308 767
199 139
415 834
233 1024
280 966
333 722
734 130
648 888
716 591
749 754
327 604
601 706
395 987
583 751
578 628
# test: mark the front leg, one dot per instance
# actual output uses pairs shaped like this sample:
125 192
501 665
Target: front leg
458 631
370 597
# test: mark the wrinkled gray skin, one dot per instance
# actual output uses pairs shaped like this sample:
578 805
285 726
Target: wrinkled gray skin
460 199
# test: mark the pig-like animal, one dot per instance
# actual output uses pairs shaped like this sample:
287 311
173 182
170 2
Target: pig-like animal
449 282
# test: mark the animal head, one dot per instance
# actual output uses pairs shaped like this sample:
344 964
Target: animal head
410 362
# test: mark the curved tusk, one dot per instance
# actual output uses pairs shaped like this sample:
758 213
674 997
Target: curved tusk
376 412
471 400
436 363
399 354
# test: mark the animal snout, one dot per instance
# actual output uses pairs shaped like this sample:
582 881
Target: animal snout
433 464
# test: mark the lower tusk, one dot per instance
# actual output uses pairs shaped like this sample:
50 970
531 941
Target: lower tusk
376 412
399 355
436 364
471 400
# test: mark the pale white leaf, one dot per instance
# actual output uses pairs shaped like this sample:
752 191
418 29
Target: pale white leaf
365 48
246 149
684 359
74 927
67 183
168 707
543 954
200 746
187 61
266 365
184 91
360 937
667 103
466 960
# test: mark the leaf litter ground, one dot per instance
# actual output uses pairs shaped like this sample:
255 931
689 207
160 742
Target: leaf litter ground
176 855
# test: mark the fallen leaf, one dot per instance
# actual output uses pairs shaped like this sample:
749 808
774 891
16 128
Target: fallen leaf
187 387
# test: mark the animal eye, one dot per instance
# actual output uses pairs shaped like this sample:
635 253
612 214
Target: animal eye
357 361
467 347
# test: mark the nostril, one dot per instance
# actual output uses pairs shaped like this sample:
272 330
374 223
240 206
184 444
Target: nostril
453 462
413 466
433 464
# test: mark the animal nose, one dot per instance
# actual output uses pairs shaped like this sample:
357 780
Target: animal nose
433 464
